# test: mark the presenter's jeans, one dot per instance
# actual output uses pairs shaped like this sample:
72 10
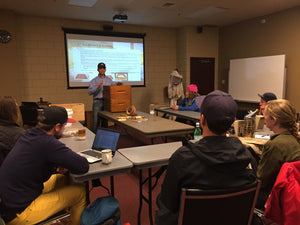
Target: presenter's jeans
57 196
98 105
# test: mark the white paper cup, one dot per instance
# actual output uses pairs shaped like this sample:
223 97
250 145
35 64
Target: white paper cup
106 156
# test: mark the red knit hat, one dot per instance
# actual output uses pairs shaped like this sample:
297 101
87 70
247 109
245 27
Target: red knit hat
192 87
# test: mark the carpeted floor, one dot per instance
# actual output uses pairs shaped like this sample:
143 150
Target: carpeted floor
127 185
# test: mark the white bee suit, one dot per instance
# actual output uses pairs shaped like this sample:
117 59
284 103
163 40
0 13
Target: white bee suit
175 88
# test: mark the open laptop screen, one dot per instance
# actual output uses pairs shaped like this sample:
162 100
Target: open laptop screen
106 139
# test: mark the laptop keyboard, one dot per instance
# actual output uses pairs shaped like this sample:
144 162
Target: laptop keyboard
93 153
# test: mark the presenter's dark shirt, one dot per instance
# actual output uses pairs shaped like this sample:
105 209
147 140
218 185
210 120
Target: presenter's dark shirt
29 164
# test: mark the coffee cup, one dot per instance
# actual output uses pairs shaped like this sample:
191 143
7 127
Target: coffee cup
81 134
106 156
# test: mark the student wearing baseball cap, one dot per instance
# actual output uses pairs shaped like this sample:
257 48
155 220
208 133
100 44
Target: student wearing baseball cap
30 189
268 96
215 161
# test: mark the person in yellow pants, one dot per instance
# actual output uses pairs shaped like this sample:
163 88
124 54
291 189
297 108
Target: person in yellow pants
30 189
55 198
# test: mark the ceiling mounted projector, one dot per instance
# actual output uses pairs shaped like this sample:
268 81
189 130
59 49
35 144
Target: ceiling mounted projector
120 18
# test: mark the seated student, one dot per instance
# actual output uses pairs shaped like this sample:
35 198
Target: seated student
10 131
29 191
280 117
188 103
268 96
216 161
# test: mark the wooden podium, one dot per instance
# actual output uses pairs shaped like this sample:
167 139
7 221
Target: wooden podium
117 98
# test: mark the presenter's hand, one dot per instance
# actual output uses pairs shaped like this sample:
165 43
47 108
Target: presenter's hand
99 85
119 83
175 107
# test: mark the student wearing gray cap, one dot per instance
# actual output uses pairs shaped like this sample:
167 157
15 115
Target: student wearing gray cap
30 189
215 161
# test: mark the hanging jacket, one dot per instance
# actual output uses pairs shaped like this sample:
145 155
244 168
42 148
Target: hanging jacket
175 87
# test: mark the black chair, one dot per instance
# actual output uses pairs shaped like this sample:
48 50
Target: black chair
55 218
29 112
48 221
218 207
1 221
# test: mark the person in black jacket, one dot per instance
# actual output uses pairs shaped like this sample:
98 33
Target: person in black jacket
30 189
216 161
10 130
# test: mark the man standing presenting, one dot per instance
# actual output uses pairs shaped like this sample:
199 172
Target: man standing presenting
215 161
96 89
30 191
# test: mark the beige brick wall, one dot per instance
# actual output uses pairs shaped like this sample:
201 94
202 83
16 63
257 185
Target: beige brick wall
38 64
280 34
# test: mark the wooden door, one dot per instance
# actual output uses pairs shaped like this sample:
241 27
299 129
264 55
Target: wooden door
202 72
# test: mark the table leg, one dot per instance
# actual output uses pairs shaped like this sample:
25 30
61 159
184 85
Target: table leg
87 192
166 139
112 186
150 188
141 196
150 195
152 141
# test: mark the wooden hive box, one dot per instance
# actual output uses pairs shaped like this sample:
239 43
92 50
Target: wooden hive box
78 110
117 98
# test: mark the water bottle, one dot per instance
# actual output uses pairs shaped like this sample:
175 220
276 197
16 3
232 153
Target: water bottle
197 132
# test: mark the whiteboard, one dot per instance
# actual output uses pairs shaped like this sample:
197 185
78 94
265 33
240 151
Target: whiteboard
251 76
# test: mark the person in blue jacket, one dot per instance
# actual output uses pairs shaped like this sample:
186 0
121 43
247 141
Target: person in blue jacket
188 103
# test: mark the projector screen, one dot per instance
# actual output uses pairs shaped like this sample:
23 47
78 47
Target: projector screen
122 53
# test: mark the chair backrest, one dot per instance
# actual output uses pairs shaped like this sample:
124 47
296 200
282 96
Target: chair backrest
1 221
54 218
218 207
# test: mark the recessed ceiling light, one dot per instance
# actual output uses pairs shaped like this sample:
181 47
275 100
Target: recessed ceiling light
84 3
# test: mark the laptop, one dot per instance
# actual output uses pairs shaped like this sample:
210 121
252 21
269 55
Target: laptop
104 139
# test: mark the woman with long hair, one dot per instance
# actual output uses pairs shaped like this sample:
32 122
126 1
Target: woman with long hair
280 117
10 122
188 103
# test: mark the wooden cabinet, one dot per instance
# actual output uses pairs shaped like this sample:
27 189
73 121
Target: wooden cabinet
117 98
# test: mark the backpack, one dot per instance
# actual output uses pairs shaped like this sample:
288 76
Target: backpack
102 211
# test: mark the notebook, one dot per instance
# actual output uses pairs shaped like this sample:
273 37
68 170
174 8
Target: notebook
104 139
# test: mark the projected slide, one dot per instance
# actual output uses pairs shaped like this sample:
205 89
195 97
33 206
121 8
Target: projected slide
123 56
